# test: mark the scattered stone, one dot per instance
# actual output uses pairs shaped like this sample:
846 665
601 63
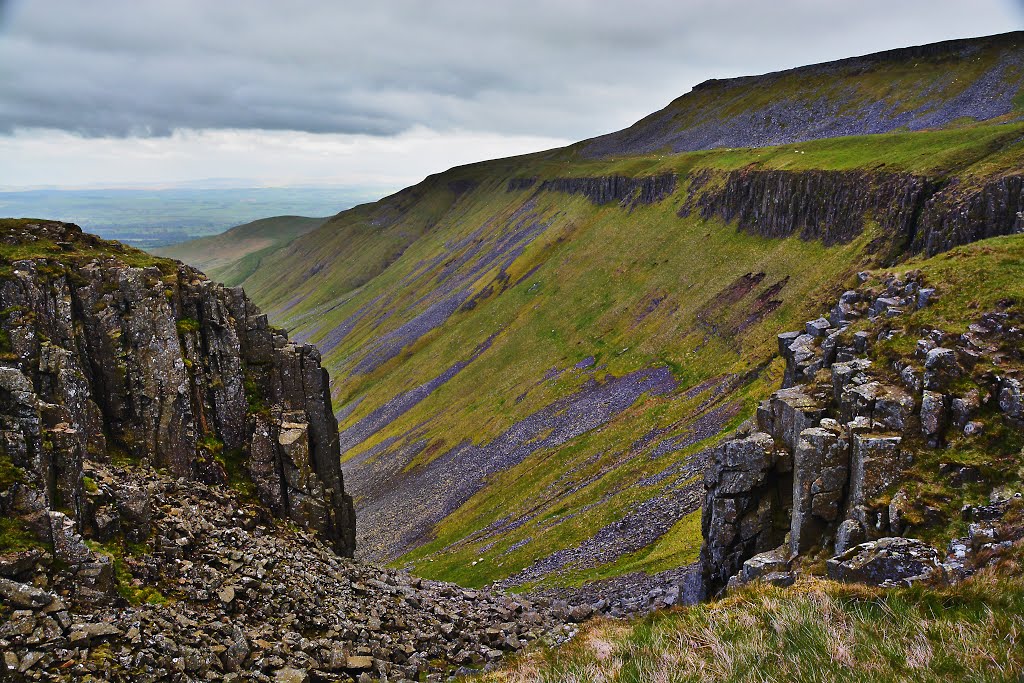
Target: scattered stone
885 561
818 328
24 595
359 663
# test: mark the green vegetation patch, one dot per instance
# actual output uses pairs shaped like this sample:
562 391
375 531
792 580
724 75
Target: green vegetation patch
120 552
236 465
816 631
187 326
15 536
9 473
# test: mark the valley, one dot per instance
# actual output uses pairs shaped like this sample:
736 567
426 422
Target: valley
532 357
733 393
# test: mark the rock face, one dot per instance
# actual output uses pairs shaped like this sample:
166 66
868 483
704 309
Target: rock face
826 205
819 469
832 206
112 355
746 485
605 189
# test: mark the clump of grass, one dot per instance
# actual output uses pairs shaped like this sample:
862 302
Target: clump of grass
118 550
187 325
239 478
15 536
9 473
210 445
816 631
254 400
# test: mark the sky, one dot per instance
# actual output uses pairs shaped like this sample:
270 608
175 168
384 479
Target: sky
254 93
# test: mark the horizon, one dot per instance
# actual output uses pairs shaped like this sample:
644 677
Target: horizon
155 98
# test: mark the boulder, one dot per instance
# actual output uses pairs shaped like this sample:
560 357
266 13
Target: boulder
790 412
818 328
23 595
887 561
1011 398
940 368
762 564
933 416
848 534
875 462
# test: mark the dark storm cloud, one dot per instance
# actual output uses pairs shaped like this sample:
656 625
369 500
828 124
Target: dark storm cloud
569 68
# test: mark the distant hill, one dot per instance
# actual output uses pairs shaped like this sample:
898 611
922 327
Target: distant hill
908 89
234 255
156 218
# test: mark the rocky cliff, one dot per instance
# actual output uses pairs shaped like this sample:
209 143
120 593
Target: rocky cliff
871 442
913 212
614 188
111 356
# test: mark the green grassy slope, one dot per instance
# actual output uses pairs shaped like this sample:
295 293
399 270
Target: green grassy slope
526 376
235 254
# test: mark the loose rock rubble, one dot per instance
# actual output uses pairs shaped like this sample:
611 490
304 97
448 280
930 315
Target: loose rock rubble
246 600
170 478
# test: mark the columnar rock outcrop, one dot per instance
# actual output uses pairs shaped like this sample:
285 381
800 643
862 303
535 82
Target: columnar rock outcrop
912 211
818 467
604 189
111 354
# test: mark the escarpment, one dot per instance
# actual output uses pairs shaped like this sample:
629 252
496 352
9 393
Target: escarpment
912 212
948 83
115 357
628 191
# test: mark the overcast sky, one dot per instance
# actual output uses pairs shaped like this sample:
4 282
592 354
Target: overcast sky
382 93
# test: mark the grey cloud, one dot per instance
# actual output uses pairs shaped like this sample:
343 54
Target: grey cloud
570 69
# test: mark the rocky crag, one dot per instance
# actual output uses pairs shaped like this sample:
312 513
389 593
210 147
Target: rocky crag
915 213
151 362
840 464
171 499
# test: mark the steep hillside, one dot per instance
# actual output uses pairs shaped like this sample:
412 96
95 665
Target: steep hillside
533 357
235 254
